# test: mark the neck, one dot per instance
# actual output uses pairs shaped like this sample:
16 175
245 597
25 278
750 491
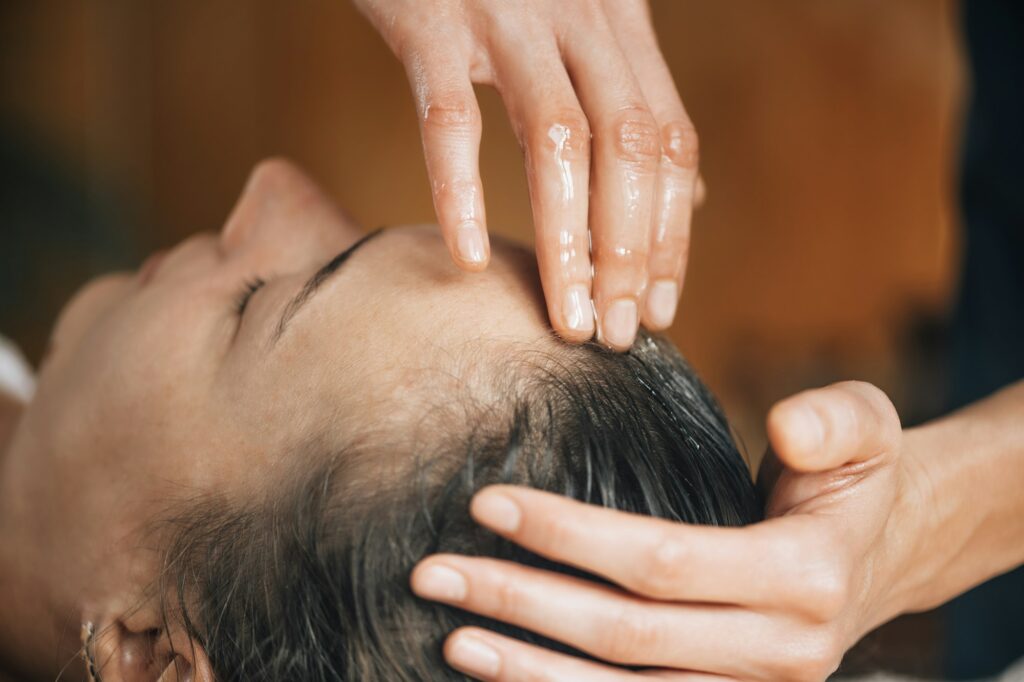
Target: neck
10 411
32 644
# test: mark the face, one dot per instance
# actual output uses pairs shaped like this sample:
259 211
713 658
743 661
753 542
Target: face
205 372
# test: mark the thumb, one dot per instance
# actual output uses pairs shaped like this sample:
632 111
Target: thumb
826 428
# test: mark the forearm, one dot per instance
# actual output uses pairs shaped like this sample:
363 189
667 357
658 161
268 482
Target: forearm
966 480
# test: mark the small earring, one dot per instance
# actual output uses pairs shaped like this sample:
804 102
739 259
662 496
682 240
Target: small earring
88 634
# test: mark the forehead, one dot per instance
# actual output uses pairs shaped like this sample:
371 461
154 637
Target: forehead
394 327
403 286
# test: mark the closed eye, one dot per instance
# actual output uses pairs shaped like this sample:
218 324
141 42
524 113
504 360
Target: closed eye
251 287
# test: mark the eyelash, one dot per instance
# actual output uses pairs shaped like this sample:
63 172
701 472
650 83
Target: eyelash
251 287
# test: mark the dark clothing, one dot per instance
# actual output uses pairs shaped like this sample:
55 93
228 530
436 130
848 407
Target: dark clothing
986 625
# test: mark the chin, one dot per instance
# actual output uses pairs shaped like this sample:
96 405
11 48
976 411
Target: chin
84 308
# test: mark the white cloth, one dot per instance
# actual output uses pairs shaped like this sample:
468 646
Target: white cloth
16 376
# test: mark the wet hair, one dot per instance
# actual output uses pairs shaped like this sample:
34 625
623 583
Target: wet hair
313 583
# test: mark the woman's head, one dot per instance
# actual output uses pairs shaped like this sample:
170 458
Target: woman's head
242 450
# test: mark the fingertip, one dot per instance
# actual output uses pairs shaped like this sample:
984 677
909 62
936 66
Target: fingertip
828 427
876 399
496 509
796 432
870 409
471 266
463 632
573 316
473 651
522 494
470 246
437 580
619 324
572 336
660 304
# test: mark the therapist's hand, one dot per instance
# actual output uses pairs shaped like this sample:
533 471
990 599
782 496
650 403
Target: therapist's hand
778 600
606 141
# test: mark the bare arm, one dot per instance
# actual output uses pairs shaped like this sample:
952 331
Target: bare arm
971 472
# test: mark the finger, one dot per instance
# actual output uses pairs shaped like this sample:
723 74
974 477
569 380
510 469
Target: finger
492 657
605 622
676 190
627 149
555 136
450 126
825 428
762 565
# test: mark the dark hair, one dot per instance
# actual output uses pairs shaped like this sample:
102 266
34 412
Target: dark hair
312 584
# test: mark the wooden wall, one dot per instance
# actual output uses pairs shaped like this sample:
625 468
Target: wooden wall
829 137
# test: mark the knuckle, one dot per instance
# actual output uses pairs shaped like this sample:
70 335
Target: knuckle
507 598
828 591
631 258
875 400
632 636
636 137
556 531
680 144
566 133
886 411
790 549
401 34
534 675
453 191
595 6
453 112
671 245
661 571
587 12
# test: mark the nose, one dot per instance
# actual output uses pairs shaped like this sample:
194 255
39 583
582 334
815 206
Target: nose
280 205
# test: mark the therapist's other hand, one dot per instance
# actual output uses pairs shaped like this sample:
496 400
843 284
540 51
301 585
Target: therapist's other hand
778 600
580 79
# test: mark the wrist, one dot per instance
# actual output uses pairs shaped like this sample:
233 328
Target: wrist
921 516
900 570
959 516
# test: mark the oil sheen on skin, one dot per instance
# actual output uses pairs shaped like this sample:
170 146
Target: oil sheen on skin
559 135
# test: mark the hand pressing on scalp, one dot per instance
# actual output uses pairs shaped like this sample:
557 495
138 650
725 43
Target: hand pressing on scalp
607 144
778 600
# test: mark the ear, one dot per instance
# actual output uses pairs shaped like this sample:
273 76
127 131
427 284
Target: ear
136 649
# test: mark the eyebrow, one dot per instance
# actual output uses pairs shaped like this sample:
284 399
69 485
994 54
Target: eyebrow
314 284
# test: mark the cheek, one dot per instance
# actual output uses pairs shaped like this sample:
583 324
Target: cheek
123 370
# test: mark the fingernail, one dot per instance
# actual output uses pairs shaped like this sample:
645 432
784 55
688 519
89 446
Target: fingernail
470 242
661 302
441 583
620 322
496 511
576 309
472 655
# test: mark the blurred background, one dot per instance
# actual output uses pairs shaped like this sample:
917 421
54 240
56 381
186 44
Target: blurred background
828 247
